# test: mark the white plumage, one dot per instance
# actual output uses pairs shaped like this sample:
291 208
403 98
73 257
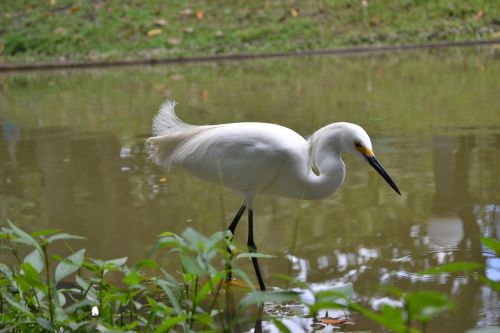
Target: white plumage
255 158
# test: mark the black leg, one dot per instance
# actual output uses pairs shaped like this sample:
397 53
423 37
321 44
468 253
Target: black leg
252 248
232 228
236 219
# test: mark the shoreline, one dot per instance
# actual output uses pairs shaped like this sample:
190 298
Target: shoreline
239 56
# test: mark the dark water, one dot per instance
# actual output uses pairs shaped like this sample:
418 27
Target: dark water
72 157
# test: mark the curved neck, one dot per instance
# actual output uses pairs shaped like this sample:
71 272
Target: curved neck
326 168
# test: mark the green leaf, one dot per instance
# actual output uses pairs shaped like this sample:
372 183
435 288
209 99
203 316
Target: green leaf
454 267
132 278
393 315
62 236
45 232
116 262
147 263
168 323
334 298
70 265
35 259
381 319
207 287
30 277
5 270
281 326
259 297
191 266
23 237
18 306
167 234
205 319
44 323
253 255
82 283
423 305
171 296
495 285
491 243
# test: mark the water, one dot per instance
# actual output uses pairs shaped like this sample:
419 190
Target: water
72 157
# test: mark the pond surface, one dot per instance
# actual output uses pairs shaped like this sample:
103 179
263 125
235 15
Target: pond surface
72 157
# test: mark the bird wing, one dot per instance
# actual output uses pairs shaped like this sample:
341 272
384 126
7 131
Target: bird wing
241 156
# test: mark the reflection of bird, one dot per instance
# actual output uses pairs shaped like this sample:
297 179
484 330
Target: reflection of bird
260 158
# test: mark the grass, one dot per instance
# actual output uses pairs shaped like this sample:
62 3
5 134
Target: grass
43 292
61 30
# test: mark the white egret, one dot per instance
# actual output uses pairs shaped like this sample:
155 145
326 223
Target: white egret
260 158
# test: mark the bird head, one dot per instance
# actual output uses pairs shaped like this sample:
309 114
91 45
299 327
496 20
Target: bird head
357 142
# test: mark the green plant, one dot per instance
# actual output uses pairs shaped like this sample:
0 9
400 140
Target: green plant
46 292
108 295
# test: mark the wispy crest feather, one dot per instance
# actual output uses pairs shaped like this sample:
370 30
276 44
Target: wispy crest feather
166 121
173 139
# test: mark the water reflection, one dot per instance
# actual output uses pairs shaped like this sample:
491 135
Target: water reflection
74 160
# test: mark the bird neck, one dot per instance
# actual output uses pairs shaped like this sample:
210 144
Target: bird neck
327 170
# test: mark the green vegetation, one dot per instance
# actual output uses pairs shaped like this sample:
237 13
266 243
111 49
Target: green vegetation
58 30
83 294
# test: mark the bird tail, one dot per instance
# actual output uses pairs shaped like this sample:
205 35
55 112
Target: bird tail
166 121
168 133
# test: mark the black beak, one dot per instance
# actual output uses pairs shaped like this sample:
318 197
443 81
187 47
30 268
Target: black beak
377 166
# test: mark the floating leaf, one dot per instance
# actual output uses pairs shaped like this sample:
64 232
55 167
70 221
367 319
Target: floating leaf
235 283
335 321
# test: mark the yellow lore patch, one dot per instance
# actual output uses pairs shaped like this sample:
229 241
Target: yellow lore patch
365 151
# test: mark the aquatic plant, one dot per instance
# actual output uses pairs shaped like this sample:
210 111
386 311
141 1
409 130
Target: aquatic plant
41 291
